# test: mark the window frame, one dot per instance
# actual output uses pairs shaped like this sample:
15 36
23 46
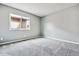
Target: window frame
27 19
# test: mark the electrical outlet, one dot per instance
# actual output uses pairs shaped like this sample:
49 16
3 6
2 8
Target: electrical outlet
1 38
24 35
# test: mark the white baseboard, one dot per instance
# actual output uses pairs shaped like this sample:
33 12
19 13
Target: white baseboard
64 40
17 40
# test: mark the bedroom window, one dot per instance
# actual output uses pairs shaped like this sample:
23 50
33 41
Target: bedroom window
19 22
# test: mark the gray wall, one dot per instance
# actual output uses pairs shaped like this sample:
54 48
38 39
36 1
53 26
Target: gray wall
63 24
13 35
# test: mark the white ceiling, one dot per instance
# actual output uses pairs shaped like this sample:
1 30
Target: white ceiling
40 9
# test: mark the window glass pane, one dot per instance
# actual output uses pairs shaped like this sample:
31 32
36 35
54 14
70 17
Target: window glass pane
15 22
23 23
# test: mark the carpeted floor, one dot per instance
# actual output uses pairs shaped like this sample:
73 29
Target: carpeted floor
40 47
